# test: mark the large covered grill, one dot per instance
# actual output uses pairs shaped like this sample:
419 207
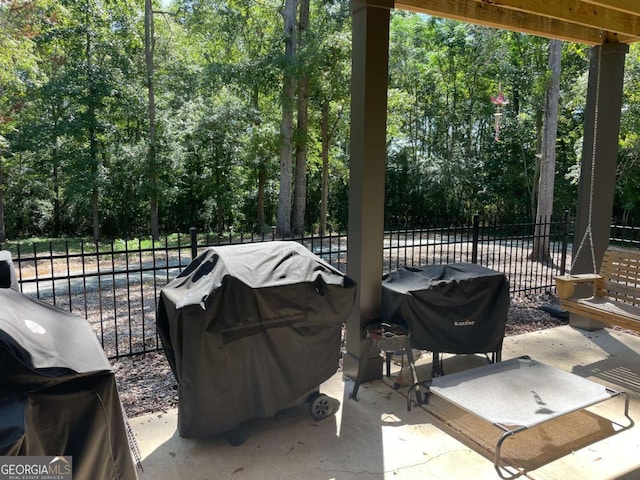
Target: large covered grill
458 308
250 330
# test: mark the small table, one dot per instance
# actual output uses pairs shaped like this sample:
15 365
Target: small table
520 393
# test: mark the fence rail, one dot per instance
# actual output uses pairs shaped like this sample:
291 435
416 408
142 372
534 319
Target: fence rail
116 285
505 248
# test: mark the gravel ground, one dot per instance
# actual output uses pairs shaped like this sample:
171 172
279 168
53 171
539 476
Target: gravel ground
147 385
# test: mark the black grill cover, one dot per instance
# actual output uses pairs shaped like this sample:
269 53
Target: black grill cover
454 308
249 330
58 394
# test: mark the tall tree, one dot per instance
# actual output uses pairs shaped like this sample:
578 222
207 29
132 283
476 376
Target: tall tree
627 193
149 50
300 189
18 27
329 92
92 104
283 225
547 157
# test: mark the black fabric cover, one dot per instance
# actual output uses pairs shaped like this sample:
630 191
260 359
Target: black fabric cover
7 272
454 308
249 330
58 394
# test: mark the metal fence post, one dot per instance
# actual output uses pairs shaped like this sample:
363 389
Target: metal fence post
476 236
193 231
565 242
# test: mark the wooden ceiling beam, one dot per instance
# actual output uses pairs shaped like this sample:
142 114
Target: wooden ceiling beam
576 11
632 7
490 15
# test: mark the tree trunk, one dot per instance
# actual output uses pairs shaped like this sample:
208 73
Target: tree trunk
55 162
324 202
300 196
3 232
218 196
283 225
261 168
56 198
535 180
149 49
262 182
93 136
95 196
548 157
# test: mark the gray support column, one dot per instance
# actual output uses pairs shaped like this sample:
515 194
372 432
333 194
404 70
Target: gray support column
601 131
369 79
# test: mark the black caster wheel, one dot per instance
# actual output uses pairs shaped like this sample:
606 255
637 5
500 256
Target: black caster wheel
235 437
320 407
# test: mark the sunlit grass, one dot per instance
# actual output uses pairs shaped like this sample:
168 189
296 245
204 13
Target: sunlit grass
88 245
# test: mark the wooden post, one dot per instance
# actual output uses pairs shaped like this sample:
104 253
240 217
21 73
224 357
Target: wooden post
601 130
370 62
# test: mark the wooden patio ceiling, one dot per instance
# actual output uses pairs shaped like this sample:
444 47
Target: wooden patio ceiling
590 22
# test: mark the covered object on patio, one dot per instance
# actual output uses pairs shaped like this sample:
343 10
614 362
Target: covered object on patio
456 308
250 330
58 393
453 308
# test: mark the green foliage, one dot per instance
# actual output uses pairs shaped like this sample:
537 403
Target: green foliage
444 163
74 126
627 200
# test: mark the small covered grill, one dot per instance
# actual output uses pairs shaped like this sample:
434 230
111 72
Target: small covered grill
58 394
458 308
250 330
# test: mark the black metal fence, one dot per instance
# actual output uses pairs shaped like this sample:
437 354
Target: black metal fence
115 285
625 235
505 248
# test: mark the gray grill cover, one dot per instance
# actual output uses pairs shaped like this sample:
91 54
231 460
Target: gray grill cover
249 330
58 393
7 272
455 308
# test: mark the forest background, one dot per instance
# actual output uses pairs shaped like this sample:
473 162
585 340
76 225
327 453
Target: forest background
124 119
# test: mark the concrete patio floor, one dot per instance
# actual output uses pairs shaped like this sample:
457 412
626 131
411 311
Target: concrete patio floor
377 438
